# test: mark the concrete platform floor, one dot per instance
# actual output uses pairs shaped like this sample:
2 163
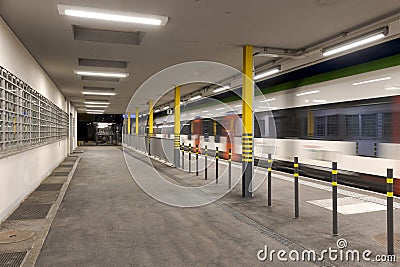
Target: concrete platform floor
105 219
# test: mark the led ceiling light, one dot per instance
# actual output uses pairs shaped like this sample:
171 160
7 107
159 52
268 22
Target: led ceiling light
111 15
393 88
308 93
95 110
220 109
96 106
365 39
101 74
167 107
372 81
96 103
223 88
157 110
99 93
195 97
238 106
267 73
320 101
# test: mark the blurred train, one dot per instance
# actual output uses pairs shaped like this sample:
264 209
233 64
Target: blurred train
353 121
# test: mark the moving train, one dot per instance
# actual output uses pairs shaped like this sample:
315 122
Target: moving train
352 120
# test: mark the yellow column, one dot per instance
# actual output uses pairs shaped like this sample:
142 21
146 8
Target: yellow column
247 117
310 123
129 123
177 125
151 121
137 121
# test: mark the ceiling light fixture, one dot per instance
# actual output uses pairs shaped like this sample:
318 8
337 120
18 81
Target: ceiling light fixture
95 110
220 109
308 93
372 81
238 106
267 73
157 110
101 74
167 107
319 101
111 15
96 103
223 88
99 93
195 97
96 106
393 88
359 41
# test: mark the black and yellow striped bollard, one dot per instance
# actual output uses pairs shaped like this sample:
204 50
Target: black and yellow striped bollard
269 180
296 187
197 160
230 169
205 163
183 156
334 198
389 213
190 158
216 165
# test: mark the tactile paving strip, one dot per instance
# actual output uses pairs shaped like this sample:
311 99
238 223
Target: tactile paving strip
30 212
12 259
49 187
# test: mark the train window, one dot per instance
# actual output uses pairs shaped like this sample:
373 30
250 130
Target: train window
305 127
352 126
387 125
319 124
332 126
369 125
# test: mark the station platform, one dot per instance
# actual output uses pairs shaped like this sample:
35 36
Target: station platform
105 219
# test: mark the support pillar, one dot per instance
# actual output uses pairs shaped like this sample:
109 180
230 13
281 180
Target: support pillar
177 125
247 117
137 121
151 121
129 123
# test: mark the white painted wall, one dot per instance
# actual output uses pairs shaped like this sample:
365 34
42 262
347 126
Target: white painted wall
20 174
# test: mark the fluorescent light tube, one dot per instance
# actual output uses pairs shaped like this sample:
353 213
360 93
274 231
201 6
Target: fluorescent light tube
319 101
308 93
157 110
372 81
101 74
220 89
267 73
96 103
167 107
220 109
111 15
392 88
195 97
99 93
95 106
366 39
95 110
238 106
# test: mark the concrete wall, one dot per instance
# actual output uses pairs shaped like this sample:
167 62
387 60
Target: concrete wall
21 173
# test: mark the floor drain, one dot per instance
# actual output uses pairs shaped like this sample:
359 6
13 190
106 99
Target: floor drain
30 212
382 239
12 259
15 236
60 173
49 187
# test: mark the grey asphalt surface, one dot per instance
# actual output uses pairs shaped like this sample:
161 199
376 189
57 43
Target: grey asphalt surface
105 219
